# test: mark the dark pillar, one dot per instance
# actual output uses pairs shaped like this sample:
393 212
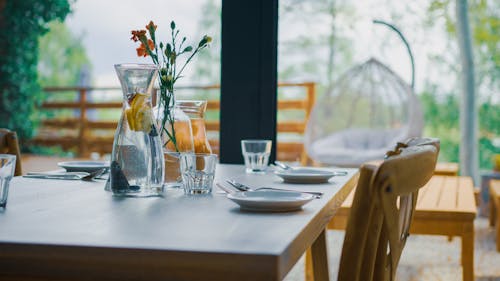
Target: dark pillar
249 75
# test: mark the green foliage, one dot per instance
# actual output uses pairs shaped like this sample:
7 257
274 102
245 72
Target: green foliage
485 28
442 121
22 23
166 56
319 52
207 65
62 57
489 120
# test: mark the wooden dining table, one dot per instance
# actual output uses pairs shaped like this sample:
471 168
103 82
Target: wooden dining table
75 230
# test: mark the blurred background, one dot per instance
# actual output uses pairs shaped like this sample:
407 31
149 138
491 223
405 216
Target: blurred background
318 42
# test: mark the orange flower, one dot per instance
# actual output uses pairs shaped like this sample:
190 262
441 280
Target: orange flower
151 25
137 34
142 51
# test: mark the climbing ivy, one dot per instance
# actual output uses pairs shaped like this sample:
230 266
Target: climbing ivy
22 22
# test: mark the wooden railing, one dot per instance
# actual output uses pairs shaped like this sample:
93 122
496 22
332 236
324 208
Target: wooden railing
79 133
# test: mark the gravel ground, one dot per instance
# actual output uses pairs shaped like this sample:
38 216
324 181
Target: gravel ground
427 258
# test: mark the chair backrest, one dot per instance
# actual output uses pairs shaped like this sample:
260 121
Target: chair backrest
10 145
382 210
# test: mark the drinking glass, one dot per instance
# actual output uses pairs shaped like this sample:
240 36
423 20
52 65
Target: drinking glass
7 167
198 171
256 154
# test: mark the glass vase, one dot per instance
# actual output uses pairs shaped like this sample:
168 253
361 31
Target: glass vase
137 161
177 138
195 110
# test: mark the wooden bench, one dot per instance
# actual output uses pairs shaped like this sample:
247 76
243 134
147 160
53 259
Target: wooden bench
495 208
446 169
445 206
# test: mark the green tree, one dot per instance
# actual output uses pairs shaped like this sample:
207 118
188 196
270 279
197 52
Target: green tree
485 31
207 64
322 53
62 57
468 108
22 23
442 121
485 25
441 116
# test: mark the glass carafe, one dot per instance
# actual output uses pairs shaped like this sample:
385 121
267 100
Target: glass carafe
195 109
137 163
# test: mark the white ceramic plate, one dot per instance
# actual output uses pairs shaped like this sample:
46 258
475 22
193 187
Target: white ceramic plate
307 175
270 201
83 166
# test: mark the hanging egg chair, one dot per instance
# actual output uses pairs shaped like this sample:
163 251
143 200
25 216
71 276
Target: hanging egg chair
368 111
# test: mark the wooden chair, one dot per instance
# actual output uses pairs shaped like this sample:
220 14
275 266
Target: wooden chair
10 145
382 210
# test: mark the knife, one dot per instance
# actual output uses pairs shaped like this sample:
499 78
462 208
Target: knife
58 176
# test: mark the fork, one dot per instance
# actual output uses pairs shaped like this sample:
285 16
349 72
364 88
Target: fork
243 187
288 168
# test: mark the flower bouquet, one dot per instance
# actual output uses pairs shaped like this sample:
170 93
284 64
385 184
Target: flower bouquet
174 125
167 56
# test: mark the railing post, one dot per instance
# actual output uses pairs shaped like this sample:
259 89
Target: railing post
82 132
311 99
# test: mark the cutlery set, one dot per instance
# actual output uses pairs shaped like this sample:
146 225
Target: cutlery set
97 174
243 187
85 176
286 168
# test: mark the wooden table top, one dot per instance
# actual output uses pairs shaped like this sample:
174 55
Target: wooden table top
76 230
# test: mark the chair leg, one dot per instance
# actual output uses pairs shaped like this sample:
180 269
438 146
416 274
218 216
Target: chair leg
497 223
320 258
492 210
468 252
309 275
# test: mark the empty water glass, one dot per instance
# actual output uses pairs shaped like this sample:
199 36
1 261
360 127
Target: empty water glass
256 154
7 167
198 171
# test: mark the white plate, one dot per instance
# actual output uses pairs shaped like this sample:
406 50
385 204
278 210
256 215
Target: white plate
270 201
83 166
306 175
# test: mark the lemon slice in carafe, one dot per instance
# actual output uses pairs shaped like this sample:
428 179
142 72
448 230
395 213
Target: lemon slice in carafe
139 114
